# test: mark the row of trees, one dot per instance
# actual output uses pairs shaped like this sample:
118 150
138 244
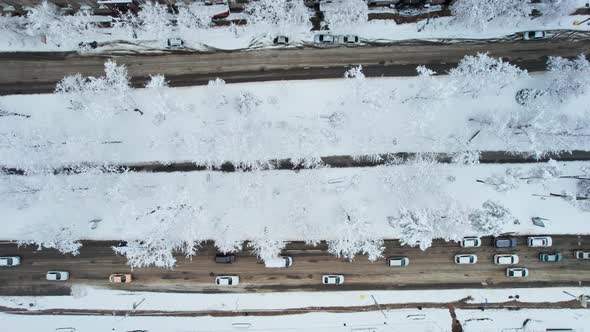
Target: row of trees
266 17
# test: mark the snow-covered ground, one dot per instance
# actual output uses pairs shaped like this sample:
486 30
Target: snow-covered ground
409 319
427 320
472 109
90 298
524 320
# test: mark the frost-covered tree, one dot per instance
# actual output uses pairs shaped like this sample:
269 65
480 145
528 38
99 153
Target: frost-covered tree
278 16
193 17
152 22
46 20
491 219
267 247
554 9
478 14
101 96
568 78
344 16
419 227
353 236
54 236
475 74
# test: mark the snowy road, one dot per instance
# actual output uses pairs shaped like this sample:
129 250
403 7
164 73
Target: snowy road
433 268
39 72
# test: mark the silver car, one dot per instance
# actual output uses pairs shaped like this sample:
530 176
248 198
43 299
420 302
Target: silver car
348 39
324 39
466 259
227 280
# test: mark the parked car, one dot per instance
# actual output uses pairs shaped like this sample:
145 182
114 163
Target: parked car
348 39
533 35
549 258
324 39
10 261
175 43
505 259
283 261
582 254
227 280
280 40
539 241
505 242
332 279
225 258
471 242
92 44
57 276
517 272
466 259
398 261
120 278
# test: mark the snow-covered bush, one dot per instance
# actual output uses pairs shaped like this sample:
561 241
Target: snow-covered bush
345 16
491 219
478 14
505 182
554 9
101 96
278 16
475 74
353 236
247 102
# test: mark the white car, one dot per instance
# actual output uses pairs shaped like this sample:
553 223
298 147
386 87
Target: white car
471 242
324 39
332 279
10 261
227 280
582 254
57 276
517 272
539 241
466 259
505 259
533 35
398 261
282 261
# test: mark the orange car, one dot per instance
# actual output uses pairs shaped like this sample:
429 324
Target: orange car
120 277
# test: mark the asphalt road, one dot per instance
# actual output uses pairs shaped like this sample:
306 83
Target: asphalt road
39 72
433 268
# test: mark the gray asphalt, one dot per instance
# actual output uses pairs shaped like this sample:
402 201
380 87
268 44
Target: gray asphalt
39 72
430 269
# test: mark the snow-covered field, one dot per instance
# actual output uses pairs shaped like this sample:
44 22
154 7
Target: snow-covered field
524 320
472 109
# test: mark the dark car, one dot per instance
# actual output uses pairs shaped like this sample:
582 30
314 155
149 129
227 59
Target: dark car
225 258
505 242
548 258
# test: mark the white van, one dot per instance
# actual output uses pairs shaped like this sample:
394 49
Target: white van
283 261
